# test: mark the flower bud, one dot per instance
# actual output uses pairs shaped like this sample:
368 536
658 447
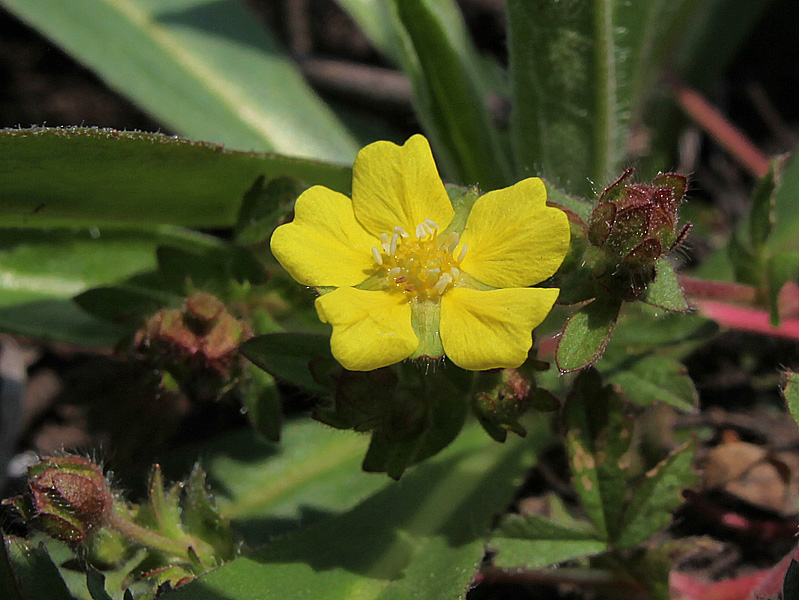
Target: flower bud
198 343
634 224
69 497
500 407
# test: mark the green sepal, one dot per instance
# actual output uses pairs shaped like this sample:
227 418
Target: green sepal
665 291
425 319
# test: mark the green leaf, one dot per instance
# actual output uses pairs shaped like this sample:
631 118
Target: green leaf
579 72
261 400
125 304
95 582
419 538
9 587
288 356
201 518
532 542
38 264
665 291
746 264
374 18
580 207
661 330
93 177
264 208
656 497
780 269
205 69
586 334
786 209
791 393
450 97
35 575
761 214
649 378
598 435
59 321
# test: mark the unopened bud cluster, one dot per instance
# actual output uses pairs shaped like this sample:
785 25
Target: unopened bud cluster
634 224
196 343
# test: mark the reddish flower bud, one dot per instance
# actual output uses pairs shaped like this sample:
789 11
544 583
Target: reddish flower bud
69 497
199 340
634 223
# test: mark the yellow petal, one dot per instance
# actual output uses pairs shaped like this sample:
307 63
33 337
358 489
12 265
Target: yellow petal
492 329
370 329
398 185
514 239
324 245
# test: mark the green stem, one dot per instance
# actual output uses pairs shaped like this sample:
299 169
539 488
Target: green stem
155 541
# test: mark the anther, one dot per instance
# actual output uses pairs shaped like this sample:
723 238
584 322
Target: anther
455 272
442 283
394 271
431 223
384 241
392 249
462 255
401 231
452 241
433 271
420 231
376 256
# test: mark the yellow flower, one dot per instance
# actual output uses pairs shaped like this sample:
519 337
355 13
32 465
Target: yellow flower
414 278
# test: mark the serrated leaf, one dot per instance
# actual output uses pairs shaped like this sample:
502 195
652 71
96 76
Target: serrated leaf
656 497
665 291
791 393
450 97
650 378
93 177
586 334
288 356
205 69
598 434
35 575
420 538
95 583
535 554
201 518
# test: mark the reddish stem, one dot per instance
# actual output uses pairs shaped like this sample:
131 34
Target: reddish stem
720 129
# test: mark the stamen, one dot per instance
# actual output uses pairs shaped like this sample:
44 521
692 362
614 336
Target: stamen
420 231
384 241
462 255
392 249
442 283
394 271
376 256
433 271
401 231
431 223
455 272
452 241
401 279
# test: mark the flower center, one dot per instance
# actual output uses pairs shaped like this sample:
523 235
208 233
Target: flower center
421 267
